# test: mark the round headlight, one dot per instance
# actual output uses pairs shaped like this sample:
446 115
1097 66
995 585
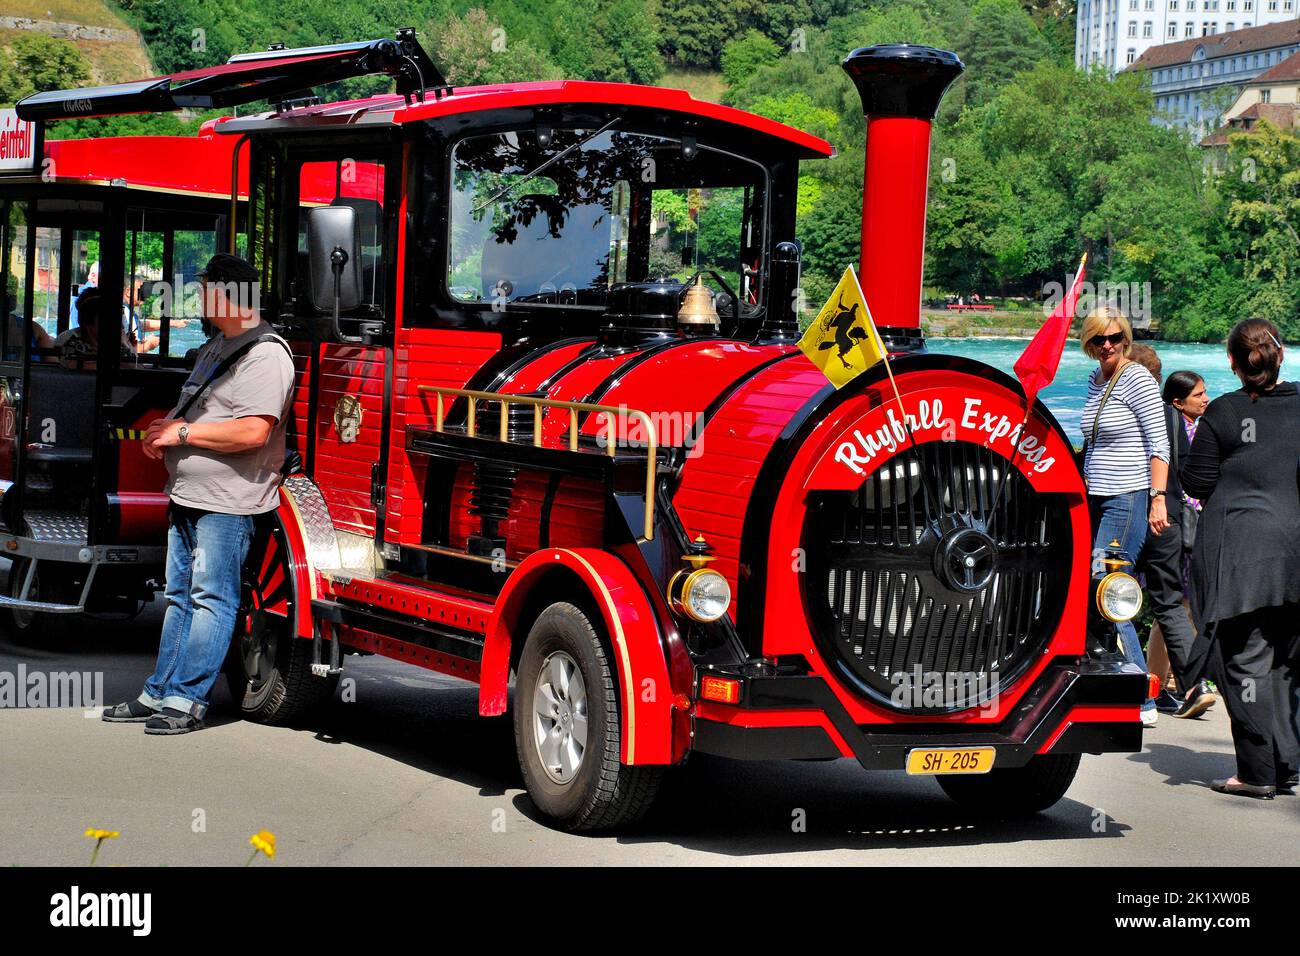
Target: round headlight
1119 597
706 595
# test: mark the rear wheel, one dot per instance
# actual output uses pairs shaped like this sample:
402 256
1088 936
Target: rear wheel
1015 791
568 730
269 667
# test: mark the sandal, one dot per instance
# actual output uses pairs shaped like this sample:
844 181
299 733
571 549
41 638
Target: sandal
131 712
169 722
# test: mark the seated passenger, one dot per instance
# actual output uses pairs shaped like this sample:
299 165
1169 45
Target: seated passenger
80 346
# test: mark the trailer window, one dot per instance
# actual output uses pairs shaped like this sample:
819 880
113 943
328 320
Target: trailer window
559 222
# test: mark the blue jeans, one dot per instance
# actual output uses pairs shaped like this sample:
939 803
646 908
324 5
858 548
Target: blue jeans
205 555
1121 518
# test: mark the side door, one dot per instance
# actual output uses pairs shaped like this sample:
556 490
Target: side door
342 388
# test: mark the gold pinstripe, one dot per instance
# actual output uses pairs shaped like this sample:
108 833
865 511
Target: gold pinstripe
624 657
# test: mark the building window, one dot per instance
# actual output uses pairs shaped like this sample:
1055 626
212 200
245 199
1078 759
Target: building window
1146 29
1232 5
1132 28
1173 4
1272 6
1132 4
1231 26
1173 30
1149 5
1289 5
1248 5
1191 6
1132 55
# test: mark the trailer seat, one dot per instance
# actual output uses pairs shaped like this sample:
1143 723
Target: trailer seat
60 415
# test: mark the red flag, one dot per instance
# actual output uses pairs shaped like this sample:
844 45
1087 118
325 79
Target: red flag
1037 365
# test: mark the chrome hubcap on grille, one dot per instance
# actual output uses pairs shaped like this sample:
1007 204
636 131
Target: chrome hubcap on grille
560 717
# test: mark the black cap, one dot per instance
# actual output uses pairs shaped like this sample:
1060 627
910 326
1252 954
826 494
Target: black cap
901 79
223 267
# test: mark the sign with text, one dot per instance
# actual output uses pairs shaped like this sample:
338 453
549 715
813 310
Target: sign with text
18 144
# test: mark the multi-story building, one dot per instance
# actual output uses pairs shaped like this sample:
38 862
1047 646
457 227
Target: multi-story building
1272 97
1186 75
1115 33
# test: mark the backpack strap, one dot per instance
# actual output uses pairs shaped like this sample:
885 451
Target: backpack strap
228 363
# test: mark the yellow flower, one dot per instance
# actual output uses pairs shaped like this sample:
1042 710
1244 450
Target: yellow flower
95 834
264 840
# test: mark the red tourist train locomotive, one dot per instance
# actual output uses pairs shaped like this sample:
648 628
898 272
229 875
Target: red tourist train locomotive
553 426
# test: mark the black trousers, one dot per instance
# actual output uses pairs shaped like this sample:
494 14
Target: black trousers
1261 654
1161 563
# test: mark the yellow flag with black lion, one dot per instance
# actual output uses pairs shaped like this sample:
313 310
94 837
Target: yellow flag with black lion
842 340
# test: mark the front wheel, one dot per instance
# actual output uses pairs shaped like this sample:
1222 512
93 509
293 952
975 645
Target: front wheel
1015 791
567 727
25 626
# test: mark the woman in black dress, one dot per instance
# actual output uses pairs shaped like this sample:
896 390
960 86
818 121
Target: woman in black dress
1244 465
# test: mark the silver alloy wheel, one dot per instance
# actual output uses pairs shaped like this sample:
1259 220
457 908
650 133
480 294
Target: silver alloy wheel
560 717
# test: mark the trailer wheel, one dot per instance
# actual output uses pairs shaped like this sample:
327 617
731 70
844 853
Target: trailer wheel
268 668
567 727
24 626
1015 791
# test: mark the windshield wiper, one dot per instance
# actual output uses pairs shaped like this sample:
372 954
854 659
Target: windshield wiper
554 159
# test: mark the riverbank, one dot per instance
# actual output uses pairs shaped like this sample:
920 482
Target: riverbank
999 323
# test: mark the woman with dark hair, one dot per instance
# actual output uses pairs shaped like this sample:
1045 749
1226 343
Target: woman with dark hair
1174 644
1245 585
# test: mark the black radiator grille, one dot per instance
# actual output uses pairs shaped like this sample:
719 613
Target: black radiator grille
883 599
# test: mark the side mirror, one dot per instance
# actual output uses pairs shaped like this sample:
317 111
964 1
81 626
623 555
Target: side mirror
332 243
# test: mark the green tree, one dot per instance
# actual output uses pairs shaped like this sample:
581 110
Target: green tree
472 49
1264 213
998 41
38 62
744 55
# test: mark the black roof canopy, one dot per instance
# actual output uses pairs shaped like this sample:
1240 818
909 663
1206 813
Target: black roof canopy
274 74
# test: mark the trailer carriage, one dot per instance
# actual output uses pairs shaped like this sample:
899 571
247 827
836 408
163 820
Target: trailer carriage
555 435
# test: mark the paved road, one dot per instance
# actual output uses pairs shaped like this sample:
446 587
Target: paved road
407 774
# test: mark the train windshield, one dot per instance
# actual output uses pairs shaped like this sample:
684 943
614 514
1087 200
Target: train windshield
555 217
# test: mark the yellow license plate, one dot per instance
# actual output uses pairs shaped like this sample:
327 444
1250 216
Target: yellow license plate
964 760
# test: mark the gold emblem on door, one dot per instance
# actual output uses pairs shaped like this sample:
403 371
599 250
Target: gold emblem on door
347 418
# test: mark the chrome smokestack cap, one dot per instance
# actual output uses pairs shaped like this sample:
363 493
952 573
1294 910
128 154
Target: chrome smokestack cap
902 79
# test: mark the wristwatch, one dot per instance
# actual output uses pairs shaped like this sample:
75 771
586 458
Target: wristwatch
1152 493
184 434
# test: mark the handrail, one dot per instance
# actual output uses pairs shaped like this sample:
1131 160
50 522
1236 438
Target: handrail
539 405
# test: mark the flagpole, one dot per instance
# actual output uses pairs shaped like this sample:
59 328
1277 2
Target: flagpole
1029 404
911 439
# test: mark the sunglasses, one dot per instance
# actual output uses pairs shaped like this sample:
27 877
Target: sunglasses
1115 338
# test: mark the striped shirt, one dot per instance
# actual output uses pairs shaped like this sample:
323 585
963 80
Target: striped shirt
1132 432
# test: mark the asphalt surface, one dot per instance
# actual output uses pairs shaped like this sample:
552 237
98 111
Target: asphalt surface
408 774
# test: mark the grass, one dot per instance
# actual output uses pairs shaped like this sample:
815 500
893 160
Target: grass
701 84
92 13
111 61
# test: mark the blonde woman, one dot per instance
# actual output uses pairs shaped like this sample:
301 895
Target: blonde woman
1126 464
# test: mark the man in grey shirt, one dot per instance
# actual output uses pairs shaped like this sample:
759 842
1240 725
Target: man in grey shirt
224 448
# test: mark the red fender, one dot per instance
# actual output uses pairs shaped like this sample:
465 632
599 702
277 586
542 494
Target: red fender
645 690
297 565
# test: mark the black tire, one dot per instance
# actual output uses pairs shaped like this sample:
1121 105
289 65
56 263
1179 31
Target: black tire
268 668
603 793
24 627
1015 791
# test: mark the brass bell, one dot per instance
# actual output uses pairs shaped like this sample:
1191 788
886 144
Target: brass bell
697 306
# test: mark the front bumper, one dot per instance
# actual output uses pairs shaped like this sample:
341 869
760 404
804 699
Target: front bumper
1087 706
